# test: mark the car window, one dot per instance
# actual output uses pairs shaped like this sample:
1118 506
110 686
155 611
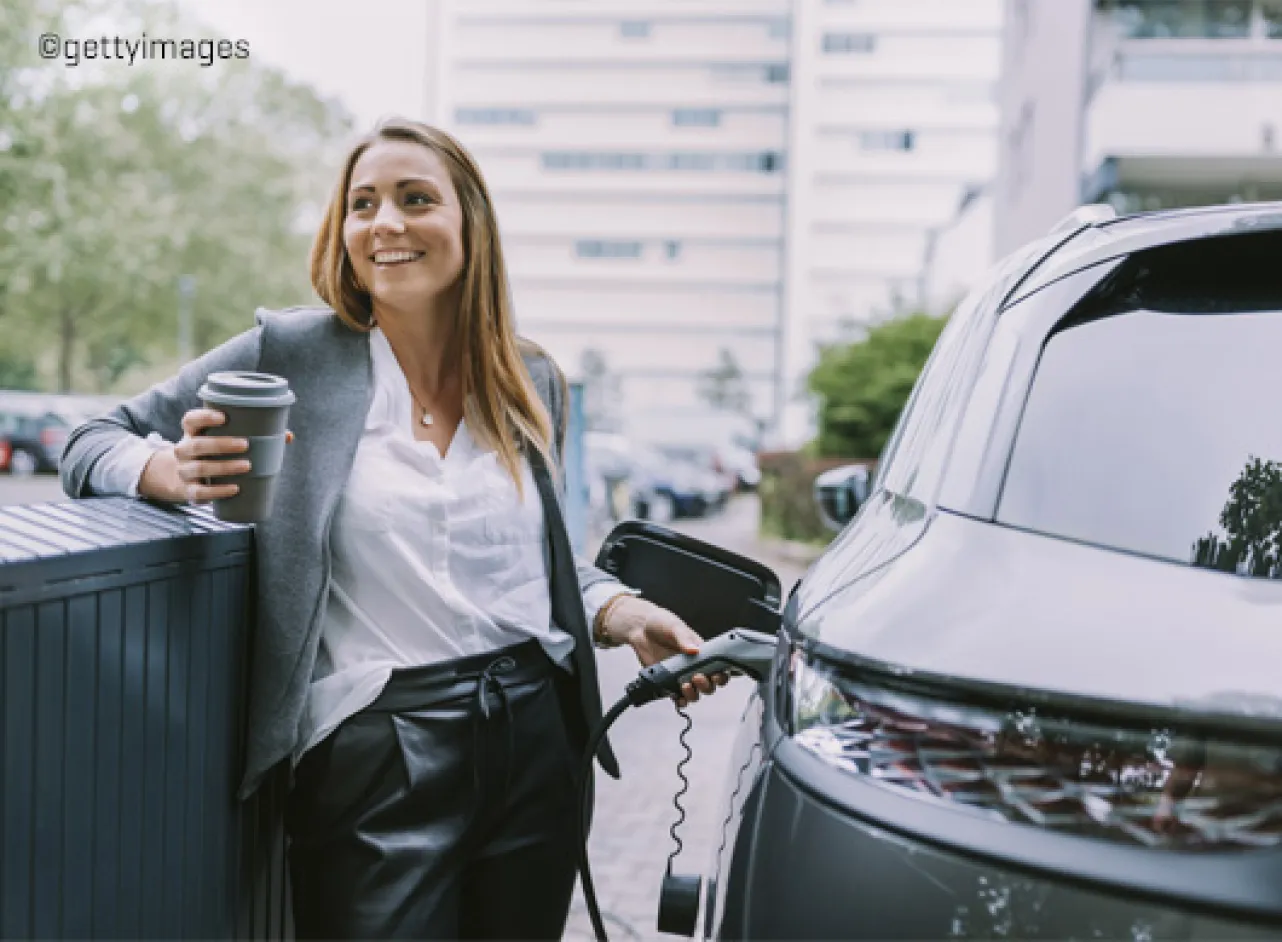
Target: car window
1150 425
914 459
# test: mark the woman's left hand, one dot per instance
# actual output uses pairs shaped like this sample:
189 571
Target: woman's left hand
656 634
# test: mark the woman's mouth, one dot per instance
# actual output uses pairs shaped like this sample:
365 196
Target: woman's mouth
393 257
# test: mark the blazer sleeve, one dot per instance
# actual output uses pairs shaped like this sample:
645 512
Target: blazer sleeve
160 409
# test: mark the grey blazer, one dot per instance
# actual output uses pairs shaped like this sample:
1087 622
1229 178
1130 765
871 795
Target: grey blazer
328 366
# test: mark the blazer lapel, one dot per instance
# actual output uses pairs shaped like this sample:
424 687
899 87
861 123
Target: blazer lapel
567 606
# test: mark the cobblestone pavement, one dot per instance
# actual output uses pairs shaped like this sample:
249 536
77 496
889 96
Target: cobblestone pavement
630 839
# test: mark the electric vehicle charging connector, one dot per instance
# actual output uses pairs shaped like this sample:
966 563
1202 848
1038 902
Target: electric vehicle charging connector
740 651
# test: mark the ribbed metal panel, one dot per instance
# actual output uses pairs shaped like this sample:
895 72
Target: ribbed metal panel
124 633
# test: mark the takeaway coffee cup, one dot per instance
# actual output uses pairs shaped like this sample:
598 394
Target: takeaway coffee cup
257 409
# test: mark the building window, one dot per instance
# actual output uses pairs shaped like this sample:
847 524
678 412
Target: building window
777 73
583 160
779 29
696 117
846 43
672 249
634 29
886 140
494 116
603 248
701 161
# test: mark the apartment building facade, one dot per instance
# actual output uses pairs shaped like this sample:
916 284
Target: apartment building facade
893 132
1144 104
694 188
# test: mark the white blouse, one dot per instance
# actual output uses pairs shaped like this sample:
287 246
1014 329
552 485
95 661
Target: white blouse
433 558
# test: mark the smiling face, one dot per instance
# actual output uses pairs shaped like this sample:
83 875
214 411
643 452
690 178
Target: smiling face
403 228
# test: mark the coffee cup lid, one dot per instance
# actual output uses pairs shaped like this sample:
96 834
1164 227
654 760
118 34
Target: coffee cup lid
246 388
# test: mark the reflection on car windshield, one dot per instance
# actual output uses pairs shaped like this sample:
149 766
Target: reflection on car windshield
1157 433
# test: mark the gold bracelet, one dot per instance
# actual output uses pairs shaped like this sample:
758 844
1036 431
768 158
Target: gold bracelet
599 636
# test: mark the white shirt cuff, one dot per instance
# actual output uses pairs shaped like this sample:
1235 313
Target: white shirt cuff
120 469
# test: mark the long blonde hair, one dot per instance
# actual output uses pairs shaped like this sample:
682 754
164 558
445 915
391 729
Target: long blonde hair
500 404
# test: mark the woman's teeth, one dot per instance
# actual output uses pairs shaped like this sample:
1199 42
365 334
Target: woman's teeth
396 258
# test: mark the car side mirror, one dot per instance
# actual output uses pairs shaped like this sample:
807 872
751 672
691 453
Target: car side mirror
712 589
840 493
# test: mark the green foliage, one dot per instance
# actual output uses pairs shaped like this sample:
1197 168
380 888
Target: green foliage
1252 525
862 387
786 495
116 181
17 372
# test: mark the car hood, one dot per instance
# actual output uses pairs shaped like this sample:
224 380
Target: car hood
984 602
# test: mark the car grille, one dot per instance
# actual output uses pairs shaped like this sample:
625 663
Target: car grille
1155 787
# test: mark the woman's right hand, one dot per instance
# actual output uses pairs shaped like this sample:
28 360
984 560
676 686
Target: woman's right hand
188 470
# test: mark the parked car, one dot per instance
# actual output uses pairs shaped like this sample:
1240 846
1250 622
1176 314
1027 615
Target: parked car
715 483
1032 688
741 462
35 440
665 487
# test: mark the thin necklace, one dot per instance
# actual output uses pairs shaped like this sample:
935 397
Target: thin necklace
427 416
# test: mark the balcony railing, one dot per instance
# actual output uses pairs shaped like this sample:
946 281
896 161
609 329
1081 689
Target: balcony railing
1244 63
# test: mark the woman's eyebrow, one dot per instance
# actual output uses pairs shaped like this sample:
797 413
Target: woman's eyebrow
408 181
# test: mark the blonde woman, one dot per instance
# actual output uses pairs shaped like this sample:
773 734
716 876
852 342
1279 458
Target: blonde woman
423 654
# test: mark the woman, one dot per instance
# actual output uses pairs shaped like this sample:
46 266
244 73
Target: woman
423 646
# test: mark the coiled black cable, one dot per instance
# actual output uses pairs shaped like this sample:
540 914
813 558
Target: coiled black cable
685 787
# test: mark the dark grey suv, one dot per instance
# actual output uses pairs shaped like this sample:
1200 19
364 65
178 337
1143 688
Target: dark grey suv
1034 688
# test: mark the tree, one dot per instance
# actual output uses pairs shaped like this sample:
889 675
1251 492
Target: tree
1252 525
132 178
17 372
724 387
862 387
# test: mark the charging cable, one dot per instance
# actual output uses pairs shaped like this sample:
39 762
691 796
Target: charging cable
740 651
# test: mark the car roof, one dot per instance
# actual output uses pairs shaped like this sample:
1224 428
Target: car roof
1095 242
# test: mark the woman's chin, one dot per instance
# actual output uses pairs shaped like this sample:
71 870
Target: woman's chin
403 292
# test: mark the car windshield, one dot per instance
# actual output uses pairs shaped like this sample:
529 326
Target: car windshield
1151 425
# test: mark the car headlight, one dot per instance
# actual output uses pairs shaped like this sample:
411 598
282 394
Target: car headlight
1159 787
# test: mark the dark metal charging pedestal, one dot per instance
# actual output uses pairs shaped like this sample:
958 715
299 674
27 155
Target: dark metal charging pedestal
124 646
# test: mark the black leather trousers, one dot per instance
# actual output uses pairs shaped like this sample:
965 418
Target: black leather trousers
444 810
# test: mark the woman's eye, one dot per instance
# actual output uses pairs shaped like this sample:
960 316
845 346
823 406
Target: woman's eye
361 203
418 199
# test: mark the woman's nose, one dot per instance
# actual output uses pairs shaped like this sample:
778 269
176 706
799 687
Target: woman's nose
388 218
